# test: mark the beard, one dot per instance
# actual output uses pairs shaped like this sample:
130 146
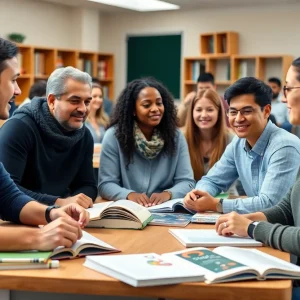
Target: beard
275 95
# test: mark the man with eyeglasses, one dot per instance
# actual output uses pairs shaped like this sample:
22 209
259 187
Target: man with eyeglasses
45 146
265 157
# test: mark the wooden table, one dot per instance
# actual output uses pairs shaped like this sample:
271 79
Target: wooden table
72 277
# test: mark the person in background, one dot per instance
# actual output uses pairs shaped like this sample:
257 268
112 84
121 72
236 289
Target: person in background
45 146
278 226
144 157
97 120
206 132
65 223
279 109
265 157
205 81
107 103
38 89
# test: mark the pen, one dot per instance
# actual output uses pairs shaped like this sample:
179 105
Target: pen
51 264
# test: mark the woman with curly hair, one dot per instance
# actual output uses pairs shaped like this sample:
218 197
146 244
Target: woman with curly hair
206 132
144 156
97 120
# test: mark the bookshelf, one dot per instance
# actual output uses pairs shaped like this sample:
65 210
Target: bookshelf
219 43
218 65
219 56
260 66
37 63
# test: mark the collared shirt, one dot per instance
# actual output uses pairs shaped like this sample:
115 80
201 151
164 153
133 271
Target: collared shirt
266 171
279 110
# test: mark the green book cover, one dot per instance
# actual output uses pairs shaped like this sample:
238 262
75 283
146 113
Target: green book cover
146 222
32 255
209 260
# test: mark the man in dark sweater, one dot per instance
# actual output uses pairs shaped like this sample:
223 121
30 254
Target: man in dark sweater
15 206
45 146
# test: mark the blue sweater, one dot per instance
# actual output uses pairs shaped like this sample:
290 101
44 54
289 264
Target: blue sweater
12 200
173 173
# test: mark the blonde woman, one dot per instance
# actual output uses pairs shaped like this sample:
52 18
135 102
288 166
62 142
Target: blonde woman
97 120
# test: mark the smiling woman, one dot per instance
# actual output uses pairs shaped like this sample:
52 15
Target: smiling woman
206 132
144 156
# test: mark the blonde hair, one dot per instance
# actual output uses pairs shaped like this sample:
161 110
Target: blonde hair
101 117
193 134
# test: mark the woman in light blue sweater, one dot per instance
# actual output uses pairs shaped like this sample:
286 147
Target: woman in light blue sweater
144 157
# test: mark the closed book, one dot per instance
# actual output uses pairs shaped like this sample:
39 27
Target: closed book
207 217
123 214
210 238
225 264
149 269
170 219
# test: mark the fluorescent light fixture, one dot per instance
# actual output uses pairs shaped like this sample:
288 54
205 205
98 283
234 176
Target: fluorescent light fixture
140 5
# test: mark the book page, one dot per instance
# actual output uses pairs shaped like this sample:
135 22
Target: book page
138 210
256 259
89 240
166 205
216 267
97 209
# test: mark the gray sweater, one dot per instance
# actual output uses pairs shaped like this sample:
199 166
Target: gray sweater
164 172
282 231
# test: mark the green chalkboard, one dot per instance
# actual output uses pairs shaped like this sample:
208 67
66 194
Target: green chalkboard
158 56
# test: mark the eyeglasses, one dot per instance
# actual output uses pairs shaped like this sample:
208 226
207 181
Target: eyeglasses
245 111
287 89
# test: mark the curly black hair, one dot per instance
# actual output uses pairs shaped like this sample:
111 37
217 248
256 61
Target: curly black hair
123 119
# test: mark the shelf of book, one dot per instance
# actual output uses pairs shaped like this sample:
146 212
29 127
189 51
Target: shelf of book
37 63
260 66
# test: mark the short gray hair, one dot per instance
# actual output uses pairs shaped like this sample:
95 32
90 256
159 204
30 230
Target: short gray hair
56 81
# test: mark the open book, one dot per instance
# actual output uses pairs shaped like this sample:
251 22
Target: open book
147 269
176 205
210 238
225 264
87 245
170 206
119 214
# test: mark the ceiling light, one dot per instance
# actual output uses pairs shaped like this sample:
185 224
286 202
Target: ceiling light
140 5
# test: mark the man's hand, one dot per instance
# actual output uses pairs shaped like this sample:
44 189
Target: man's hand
189 98
61 232
80 199
200 201
233 223
74 211
158 198
141 199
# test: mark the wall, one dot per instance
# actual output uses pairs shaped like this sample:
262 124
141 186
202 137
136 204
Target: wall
262 30
49 24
